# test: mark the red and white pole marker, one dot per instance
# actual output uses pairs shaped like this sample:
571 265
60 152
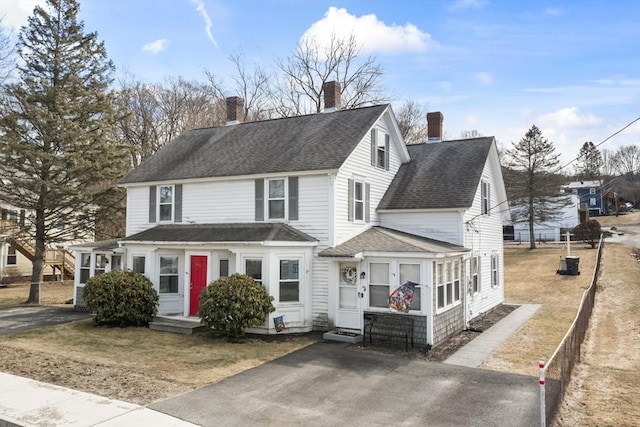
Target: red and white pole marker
543 415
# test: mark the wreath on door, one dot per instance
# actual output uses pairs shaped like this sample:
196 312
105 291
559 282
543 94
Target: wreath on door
349 275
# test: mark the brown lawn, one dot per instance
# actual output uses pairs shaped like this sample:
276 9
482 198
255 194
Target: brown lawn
51 293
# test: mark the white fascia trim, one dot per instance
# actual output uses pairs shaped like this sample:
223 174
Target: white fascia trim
355 258
426 255
230 178
444 210
216 244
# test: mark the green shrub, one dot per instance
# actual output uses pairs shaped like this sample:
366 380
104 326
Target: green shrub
588 232
122 298
232 304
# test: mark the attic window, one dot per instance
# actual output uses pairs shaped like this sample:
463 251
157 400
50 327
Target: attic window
486 197
379 150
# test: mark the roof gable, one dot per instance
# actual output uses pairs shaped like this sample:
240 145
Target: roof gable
294 144
442 175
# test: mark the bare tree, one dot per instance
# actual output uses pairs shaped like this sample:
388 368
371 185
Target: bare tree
311 65
7 52
412 122
609 162
252 85
467 134
628 160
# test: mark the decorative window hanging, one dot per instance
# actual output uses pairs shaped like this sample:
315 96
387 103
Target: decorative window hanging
401 298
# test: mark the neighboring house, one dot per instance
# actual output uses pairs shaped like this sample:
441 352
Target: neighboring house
331 212
17 251
549 231
591 195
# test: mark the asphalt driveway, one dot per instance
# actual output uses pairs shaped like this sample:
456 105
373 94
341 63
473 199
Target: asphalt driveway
328 384
22 318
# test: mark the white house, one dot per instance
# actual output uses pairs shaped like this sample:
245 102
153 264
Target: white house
549 231
331 212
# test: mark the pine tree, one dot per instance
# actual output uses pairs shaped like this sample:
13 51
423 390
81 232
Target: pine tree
589 162
59 159
536 183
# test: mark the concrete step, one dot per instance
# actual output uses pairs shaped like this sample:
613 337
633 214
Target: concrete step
178 326
343 335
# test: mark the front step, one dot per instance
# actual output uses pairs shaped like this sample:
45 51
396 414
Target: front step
177 325
343 335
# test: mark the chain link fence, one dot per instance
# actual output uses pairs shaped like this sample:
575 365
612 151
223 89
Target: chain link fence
560 366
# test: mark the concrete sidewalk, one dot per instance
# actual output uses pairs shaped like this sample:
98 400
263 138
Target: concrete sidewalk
477 351
27 403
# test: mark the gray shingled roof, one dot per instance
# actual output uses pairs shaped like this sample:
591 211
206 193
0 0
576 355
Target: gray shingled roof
440 175
381 239
100 245
206 233
302 143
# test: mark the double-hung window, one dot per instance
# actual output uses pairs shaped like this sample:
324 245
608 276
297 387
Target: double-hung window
475 274
165 203
138 264
85 267
12 256
592 191
379 284
101 264
379 149
486 197
169 277
276 198
358 201
438 280
289 280
494 270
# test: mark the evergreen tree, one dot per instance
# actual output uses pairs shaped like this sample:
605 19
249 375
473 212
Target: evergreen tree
589 162
59 158
535 183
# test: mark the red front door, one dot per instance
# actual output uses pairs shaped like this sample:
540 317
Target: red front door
198 281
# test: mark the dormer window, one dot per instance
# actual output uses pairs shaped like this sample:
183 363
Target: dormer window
379 149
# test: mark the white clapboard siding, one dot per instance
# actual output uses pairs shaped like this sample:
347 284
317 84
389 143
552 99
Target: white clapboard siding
137 209
445 226
358 166
483 235
218 202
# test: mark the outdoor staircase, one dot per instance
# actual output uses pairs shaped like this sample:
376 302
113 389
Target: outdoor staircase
60 260
178 325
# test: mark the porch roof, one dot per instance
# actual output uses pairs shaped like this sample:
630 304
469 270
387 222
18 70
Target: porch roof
101 245
217 233
381 239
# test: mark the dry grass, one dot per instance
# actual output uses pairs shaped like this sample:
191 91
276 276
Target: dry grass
530 277
135 364
605 386
624 218
51 293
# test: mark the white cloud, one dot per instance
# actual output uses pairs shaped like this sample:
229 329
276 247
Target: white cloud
485 78
16 13
155 46
371 34
465 4
569 118
207 21
472 119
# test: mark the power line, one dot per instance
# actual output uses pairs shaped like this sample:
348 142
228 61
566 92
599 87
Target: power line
600 143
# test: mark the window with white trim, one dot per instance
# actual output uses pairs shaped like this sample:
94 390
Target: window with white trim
438 280
380 149
411 273
276 200
592 191
169 274
475 274
494 270
289 280
101 264
456 280
486 197
116 262
358 201
165 203
138 264
12 256
253 268
379 284
592 201
85 267
224 267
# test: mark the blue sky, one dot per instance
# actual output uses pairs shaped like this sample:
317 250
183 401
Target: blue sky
570 67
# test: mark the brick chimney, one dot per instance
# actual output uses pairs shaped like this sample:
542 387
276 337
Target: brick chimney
332 101
434 126
235 110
